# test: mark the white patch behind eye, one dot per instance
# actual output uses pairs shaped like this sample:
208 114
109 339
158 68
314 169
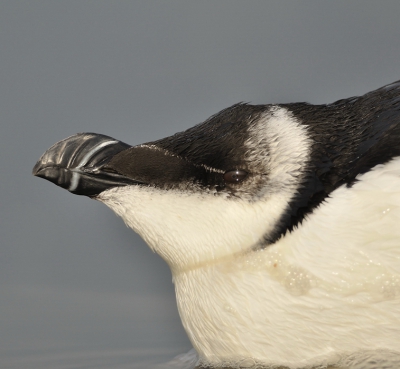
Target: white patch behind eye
279 146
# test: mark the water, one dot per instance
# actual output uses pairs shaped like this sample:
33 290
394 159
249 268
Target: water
99 359
149 359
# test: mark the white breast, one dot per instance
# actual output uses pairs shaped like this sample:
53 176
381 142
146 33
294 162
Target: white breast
328 290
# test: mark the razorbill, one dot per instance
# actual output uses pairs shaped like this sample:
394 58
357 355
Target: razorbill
280 223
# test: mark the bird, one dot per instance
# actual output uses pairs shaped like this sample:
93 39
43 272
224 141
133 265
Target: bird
280 224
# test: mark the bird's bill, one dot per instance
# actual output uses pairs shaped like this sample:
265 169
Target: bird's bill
77 164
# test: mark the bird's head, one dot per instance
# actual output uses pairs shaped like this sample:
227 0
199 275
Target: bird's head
206 194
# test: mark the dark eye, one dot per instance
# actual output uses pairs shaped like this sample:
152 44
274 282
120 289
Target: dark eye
235 176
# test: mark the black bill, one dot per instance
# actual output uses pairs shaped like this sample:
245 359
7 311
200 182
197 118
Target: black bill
77 164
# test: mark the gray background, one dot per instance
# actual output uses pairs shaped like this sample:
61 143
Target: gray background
79 289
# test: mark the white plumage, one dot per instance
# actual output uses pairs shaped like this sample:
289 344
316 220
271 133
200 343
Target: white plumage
326 290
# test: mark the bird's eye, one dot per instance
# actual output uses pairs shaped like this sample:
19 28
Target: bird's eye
235 176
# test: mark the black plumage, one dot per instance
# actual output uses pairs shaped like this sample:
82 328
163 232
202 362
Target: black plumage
350 136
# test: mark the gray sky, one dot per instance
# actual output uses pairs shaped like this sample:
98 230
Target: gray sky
76 284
